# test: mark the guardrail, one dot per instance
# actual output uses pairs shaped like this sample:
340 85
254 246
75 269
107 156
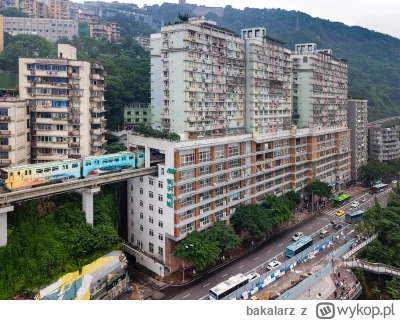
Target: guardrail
378 268
359 247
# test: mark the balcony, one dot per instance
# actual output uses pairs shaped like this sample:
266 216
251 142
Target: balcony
97 152
96 87
75 133
74 145
5 147
5 132
97 109
97 98
5 161
97 131
49 156
97 120
5 118
96 76
49 144
43 73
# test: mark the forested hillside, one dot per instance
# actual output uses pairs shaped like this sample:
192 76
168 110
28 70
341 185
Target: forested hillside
373 58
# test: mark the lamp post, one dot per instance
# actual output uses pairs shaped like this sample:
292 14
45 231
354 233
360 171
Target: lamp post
312 200
186 246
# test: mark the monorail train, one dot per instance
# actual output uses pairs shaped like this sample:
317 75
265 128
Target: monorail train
26 176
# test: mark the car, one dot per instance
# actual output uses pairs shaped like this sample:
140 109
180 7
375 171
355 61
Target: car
339 213
323 233
355 204
394 182
273 265
253 276
337 226
364 199
297 236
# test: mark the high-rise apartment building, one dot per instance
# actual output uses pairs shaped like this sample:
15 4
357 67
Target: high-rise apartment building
48 9
9 4
383 143
66 101
15 133
229 98
358 123
60 9
107 30
135 113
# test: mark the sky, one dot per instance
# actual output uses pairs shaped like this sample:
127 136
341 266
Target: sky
382 16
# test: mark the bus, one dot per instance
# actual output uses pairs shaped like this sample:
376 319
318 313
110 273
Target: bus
228 286
353 216
342 200
378 188
300 245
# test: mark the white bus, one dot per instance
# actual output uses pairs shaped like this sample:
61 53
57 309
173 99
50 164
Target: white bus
228 286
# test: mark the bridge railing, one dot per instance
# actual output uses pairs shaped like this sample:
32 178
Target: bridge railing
359 247
379 268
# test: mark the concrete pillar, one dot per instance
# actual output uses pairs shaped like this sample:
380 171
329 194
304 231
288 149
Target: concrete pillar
147 157
87 203
3 224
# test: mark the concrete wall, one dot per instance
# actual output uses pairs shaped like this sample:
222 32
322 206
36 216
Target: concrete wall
145 260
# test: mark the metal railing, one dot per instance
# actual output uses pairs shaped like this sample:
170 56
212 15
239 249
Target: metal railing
359 247
378 268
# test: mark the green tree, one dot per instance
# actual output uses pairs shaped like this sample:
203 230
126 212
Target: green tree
184 17
279 209
393 288
115 148
319 188
224 235
13 12
252 219
172 136
198 249
293 196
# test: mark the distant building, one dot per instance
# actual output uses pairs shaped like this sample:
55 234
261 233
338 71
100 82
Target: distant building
8 4
154 22
203 10
51 29
383 143
135 113
88 16
108 30
358 121
182 1
14 131
144 42
53 9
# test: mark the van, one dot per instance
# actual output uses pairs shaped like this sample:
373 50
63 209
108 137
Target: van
323 234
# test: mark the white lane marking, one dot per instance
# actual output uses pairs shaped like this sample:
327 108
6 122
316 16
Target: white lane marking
351 232
186 296
206 285
224 275
281 244
255 258
268 251
241 266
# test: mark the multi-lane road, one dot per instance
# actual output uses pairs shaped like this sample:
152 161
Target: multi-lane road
271 248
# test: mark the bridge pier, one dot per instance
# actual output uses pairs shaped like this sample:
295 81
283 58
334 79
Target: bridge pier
3 224
87 203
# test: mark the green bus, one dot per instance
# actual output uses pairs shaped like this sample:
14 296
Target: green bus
342 200
300 245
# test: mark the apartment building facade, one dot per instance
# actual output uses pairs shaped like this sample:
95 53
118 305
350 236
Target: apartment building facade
66 101
358 123
144 42
383 143
51 29
135 113
47 9
238 142
15 132
107 30
8 4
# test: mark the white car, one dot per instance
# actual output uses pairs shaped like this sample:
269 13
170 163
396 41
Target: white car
273 265
394 182
297 236
253 276
355 204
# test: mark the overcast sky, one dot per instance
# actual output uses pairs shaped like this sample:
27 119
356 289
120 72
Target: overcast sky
382 15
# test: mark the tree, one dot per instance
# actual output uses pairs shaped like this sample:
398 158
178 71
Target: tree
173 136
115 148
184 17
224 235
198 249
393 288
278 208
13 12
293 196
375 170
252 219
319 188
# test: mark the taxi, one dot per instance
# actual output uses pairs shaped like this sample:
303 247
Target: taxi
339 213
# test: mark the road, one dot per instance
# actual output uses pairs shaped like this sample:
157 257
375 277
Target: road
199 288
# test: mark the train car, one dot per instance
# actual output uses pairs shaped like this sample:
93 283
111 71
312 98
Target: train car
140 159
92 166
27 176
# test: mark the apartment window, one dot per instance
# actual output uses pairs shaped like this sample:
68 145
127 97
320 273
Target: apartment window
186 215
220 167
151 207
205 208
204 170
160 184
141 227
4 126
160 251
219 191
162 171
139 244
220 202
131 187
141 191
151 194
305 59
160 210
219 152
132 238
204 155
160 224
141 203
131 199
160 237
185 188
132 223
151 232
160 197
234 163
186 174
132 212
187 201
151 219
141 179
204 183
151 181
187 228
141 215
220 214
186 158
151 247
233 150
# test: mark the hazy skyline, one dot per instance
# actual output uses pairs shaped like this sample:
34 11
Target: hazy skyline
381 16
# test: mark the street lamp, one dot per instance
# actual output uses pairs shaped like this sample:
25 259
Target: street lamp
312 200
186 246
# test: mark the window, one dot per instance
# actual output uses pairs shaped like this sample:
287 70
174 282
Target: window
185 188
187 228
160 224
160 237
151 181
187 201
204 155
305 59
220 167
160 210
141 190
131 187
234 163
204 183
162 171
186 215
233 149
160 184
131 199
204 170
219 152
186 174
132 212
141 203
151 247
160 197
141 215
160 251
132 223
186 158
139 244
151 232
220 214
151 219
151 207
141 227
3 126
151 194
141 179
132 238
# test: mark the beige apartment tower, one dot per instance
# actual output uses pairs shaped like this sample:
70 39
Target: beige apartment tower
66 101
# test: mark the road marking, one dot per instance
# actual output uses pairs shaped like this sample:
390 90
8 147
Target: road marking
206 285
351 232
255 258
224 275
186 296
281 244
269 251
241 266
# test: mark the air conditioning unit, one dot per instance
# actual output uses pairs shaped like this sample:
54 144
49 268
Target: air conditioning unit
224 202
201 198
201 224
201 211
